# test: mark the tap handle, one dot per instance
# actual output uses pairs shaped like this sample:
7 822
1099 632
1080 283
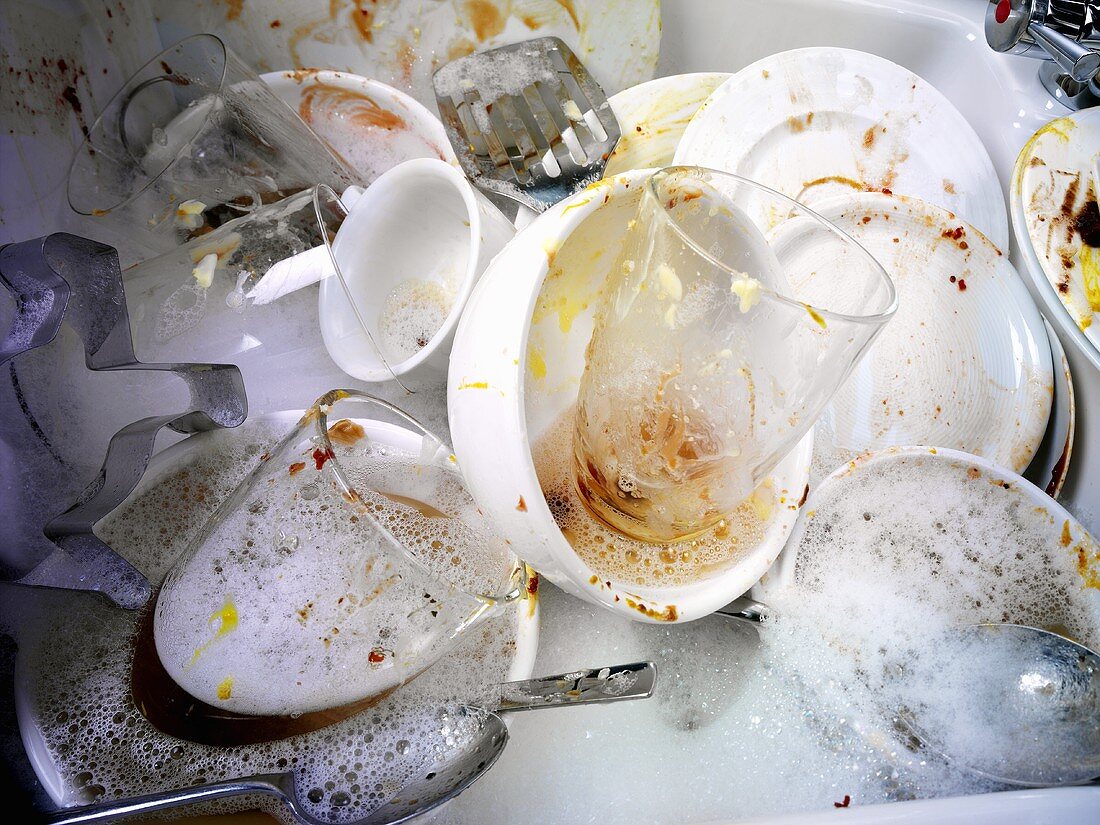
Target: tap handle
1074 59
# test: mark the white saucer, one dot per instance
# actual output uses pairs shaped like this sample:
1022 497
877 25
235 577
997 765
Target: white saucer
1063 155
964 364
814 122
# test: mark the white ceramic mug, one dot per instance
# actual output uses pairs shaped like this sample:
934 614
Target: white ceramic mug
421 220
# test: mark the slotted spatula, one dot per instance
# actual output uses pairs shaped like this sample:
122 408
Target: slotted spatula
527 121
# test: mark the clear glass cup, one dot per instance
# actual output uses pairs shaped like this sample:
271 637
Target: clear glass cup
194 138
195 302
734 315
346 564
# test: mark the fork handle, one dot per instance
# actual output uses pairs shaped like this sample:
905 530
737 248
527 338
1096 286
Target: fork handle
581 687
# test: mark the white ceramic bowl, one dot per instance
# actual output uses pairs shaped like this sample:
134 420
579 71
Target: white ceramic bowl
421 221
371 125
515 367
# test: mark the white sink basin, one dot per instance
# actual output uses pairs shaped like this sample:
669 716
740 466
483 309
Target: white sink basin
609 765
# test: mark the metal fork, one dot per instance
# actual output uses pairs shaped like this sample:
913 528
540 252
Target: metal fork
527 121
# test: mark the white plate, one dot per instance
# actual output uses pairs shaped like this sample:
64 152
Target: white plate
965 363
1066 554
370 125
653 116
154 562
1064 153
812 122
1049 468
401 42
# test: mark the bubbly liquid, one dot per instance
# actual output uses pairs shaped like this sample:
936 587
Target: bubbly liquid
623 559
412 314
296 601
82 657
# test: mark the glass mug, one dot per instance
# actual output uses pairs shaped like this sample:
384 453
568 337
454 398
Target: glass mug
732 317
346 564
194 138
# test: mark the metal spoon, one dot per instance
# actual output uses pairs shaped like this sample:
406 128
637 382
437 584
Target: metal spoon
1032 696
440 784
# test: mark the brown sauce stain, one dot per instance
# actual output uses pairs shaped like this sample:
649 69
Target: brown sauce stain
571 10
358 108
233 9
485 18
362 18
421 507
346 432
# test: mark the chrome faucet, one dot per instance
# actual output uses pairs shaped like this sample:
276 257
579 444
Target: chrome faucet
1064 34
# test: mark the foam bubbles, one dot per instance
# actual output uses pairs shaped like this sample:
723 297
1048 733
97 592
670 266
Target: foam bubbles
76 670
615 556
413 312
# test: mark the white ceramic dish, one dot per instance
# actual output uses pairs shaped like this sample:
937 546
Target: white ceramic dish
653 117
1074 555
1062 154
372 126
1049 468
965 363
402 43
814 122
414 245
166 463
515 369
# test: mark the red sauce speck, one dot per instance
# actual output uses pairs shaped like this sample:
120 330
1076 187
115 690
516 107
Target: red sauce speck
844 803
953 279
533 583
1004 8
962 285
376 656
321 456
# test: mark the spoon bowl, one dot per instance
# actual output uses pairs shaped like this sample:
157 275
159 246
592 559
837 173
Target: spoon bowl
1013 703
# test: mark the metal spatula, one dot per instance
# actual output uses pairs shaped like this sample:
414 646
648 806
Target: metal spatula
527 121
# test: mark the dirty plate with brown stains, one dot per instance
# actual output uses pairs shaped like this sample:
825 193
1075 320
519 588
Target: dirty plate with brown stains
1057 223
401 43
964 364
372 126
812 123
653 117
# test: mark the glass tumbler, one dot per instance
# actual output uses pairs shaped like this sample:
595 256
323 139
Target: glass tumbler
211 300
732 316
193 139
346 564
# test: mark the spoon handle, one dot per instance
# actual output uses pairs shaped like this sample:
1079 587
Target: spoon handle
581 687
175 798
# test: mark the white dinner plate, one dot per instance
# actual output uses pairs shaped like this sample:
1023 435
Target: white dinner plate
814 122
653 116
1056 179
964 364
402 43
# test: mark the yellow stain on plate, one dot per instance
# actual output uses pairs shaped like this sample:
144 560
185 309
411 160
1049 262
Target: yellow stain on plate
536 364
1090 272
474 385
223 621
225 689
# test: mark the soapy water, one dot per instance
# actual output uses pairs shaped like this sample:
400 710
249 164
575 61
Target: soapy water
793 719
806 713
294 600
413 312
76 658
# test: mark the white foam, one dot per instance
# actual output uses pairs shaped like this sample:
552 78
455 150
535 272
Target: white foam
77 660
